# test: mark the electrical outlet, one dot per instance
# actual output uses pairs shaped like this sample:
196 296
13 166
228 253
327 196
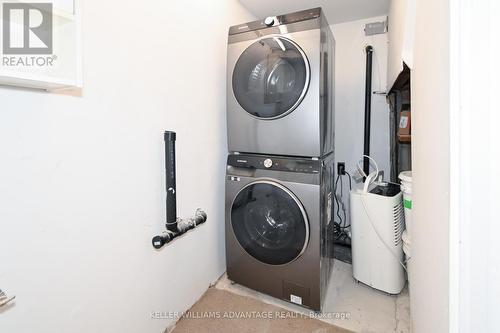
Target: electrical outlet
341 168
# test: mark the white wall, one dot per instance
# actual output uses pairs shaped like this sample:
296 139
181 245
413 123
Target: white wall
429 288
475 185
350 76
82 178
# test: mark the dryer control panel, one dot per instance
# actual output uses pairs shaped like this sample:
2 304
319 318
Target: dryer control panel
273 21
290 164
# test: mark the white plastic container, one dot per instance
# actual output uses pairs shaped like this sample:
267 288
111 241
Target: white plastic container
406 244
406 182
407 252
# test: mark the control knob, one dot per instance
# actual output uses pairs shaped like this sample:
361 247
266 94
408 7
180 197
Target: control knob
269 21
268 163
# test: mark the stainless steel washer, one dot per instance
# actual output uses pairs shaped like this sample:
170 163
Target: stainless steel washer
277 213
280 86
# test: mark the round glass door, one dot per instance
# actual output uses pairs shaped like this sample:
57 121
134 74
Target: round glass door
271 78
270 223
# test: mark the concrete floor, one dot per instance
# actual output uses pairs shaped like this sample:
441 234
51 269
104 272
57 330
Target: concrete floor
224 302
370 311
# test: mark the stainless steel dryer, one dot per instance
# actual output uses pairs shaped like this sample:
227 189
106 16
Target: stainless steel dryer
277 213
280 86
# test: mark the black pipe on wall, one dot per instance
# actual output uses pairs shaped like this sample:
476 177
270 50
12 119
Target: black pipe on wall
183 226
171 200
175 227
368 108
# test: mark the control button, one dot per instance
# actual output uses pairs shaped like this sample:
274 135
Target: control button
268 163
269 21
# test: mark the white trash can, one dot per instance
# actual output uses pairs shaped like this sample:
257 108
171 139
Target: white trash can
406 182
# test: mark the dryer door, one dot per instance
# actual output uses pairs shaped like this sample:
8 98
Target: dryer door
270 223
271 77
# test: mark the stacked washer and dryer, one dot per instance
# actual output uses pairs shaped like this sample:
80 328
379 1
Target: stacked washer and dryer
280 168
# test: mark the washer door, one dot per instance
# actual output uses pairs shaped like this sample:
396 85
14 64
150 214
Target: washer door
271 77
270 223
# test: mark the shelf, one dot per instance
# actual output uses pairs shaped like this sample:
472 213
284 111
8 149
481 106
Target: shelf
43 82
62 14
404 138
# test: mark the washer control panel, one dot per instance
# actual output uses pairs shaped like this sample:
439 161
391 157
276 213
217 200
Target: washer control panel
290 164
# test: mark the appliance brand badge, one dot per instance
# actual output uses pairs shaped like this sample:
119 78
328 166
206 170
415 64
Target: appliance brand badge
295 299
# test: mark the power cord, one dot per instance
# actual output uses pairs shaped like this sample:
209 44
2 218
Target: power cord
339 227
342 206
350 180
337 201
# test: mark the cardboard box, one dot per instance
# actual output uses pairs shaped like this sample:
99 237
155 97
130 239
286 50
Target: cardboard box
404 131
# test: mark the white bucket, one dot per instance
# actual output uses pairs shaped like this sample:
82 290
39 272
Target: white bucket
406 181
